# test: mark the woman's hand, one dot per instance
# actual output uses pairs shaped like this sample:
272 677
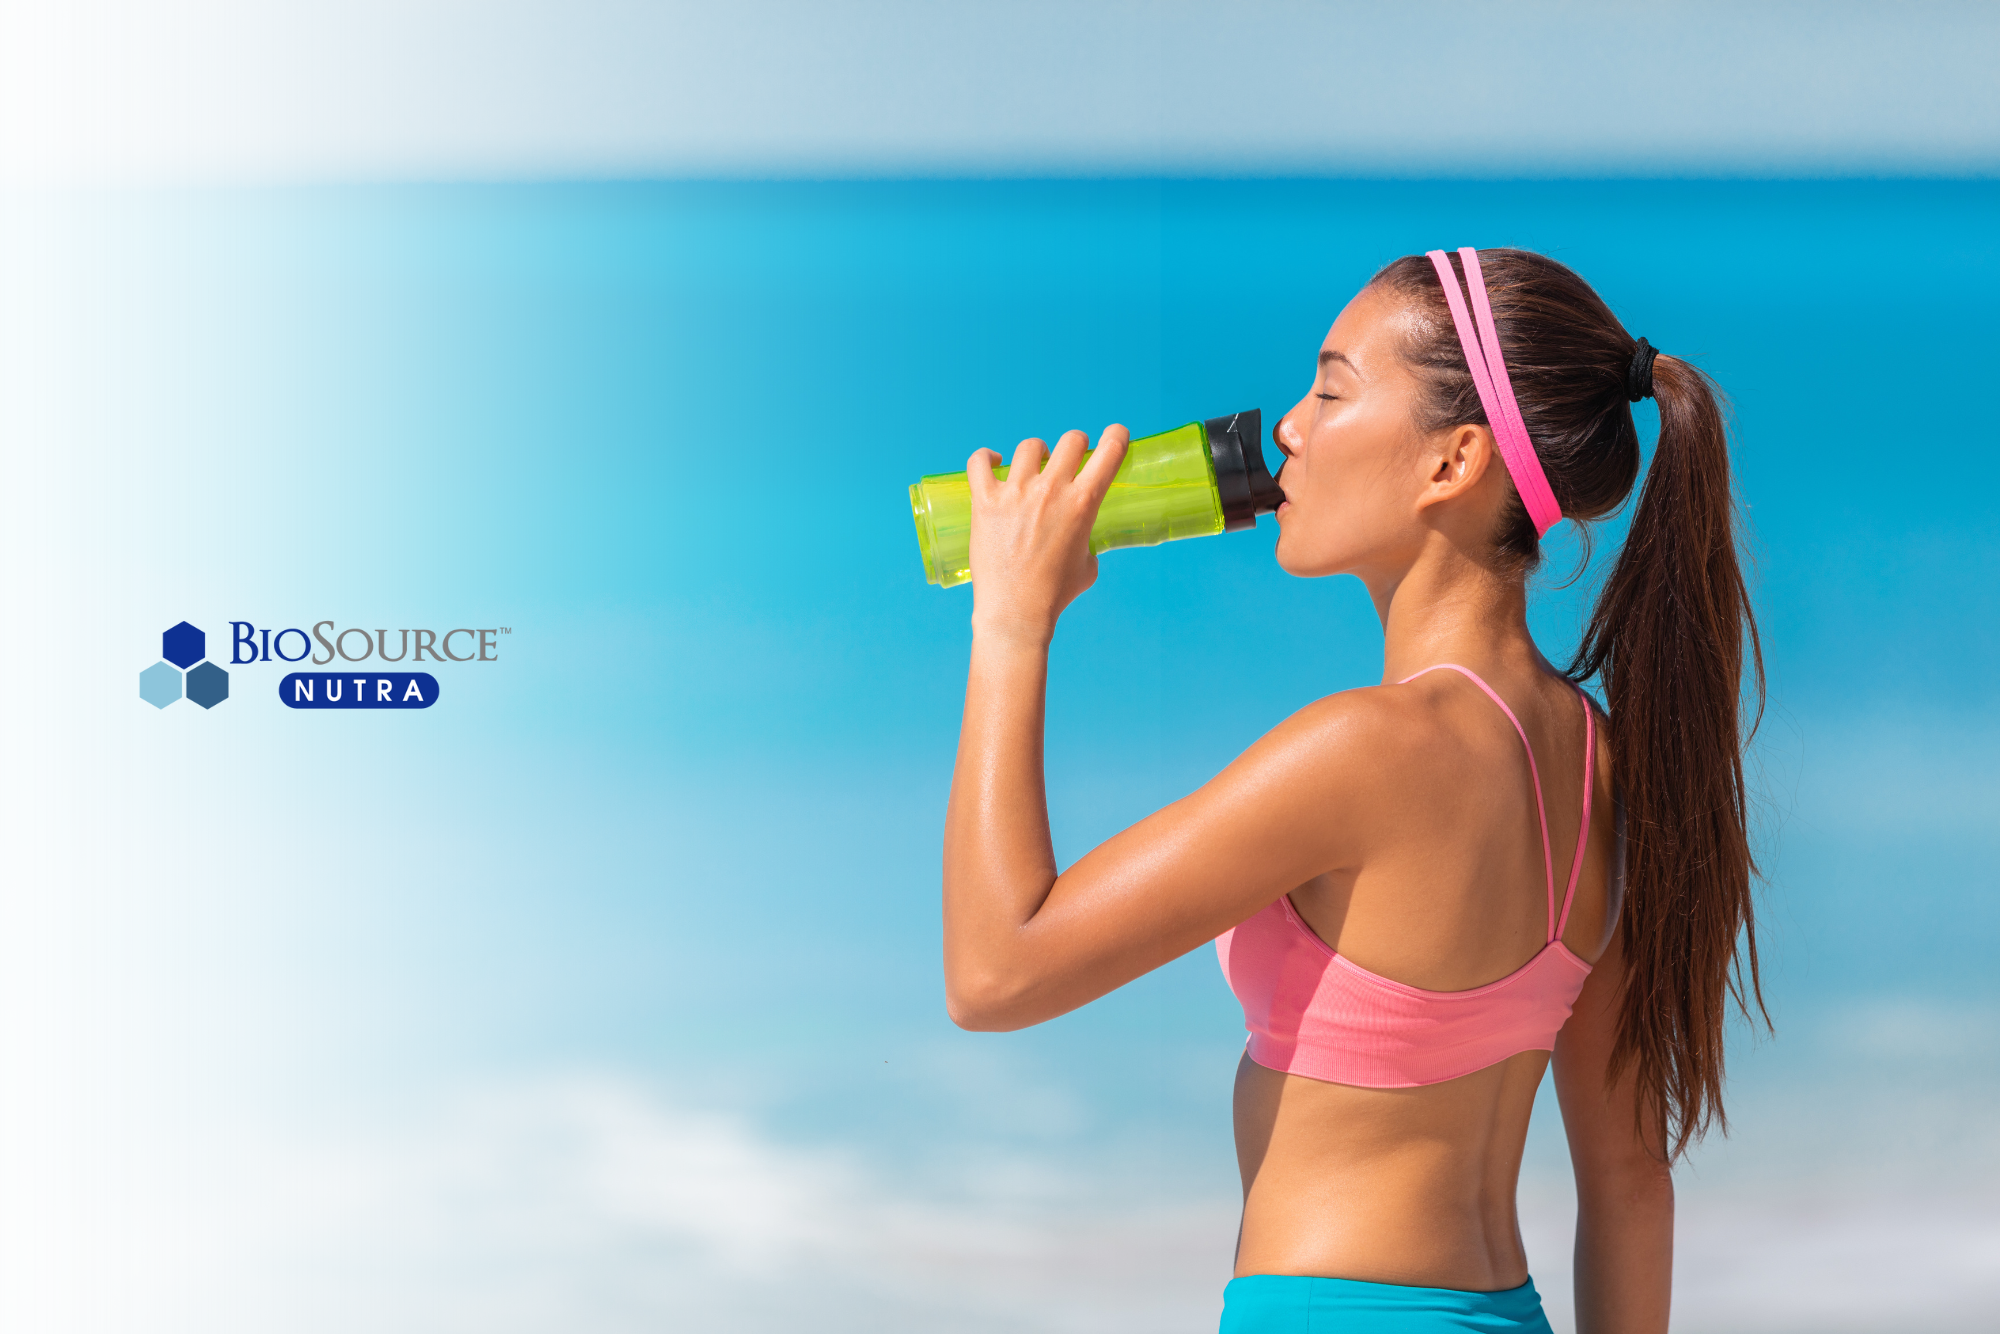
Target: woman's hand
1030 545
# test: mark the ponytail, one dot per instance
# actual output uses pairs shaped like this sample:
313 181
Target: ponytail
1668 635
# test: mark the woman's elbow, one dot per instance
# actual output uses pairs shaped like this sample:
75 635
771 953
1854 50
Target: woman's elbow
983 1005
973 1018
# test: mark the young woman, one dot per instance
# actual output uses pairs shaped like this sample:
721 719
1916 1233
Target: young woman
1422 890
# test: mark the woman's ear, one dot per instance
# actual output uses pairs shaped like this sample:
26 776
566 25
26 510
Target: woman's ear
1455 461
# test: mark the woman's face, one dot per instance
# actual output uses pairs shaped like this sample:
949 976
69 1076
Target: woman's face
1357 470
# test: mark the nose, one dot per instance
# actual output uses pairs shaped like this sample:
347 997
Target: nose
1285 451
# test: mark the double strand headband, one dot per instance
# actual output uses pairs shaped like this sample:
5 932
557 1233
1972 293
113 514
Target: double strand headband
1496 391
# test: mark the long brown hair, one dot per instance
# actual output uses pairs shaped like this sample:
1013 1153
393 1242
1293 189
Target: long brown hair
1668 638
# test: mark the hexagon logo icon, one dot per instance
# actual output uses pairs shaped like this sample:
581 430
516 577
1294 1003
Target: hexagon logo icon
160 684
184 645
208 685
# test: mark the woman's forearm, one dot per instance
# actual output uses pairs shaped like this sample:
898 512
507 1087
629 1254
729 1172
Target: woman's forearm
999 863
1624 1186
1030 547
1625 1252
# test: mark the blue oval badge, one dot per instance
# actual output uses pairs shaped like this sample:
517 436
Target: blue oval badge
359 690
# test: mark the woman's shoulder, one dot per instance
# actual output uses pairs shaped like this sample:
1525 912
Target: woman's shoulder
1394 710
1369 732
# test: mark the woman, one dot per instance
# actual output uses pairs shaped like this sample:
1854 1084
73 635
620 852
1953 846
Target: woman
1425 889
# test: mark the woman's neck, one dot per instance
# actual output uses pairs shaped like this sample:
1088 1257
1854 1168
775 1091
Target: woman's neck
1446 607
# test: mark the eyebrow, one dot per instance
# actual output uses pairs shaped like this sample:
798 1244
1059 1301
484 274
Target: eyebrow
1331 354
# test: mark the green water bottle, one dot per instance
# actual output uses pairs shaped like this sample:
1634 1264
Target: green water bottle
1193 481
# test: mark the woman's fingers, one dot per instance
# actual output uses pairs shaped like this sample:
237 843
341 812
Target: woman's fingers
1103 466
981 473
1069 453
979 468
1028 457
1034 464
1030 540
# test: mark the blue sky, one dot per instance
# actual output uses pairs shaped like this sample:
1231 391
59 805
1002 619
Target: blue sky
659 887
604 994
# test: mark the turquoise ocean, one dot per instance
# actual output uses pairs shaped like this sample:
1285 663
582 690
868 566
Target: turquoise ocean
604 995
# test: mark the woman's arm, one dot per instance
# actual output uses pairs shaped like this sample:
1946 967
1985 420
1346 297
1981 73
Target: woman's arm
1624 1188
1021 944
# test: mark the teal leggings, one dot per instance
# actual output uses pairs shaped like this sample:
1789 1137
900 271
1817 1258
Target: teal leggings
1285 1304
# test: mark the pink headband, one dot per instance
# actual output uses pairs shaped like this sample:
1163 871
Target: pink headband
1496 391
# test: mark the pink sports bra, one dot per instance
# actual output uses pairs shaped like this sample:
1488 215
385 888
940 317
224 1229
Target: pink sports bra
1311 1012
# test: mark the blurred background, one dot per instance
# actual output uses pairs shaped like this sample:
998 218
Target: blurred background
604 996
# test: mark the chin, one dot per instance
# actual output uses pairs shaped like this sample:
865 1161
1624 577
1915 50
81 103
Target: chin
1294 559
1289 562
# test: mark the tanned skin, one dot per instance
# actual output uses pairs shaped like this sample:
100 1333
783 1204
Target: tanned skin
1398 817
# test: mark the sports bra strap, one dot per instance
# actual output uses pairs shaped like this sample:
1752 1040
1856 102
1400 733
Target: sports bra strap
1541 812
1583 830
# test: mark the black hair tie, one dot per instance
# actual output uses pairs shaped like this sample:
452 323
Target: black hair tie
1639 378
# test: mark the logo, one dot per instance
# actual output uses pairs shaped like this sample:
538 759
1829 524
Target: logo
337 690
387 673
184 672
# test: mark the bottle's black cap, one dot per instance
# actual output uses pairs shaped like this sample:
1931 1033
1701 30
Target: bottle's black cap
1237 444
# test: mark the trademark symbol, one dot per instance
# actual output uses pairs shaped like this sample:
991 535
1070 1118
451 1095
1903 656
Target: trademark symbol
506 629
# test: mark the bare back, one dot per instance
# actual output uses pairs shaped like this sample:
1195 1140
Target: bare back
1416 1185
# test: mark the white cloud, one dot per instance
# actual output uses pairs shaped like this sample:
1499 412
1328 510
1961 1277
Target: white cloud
1831 1262
595 1203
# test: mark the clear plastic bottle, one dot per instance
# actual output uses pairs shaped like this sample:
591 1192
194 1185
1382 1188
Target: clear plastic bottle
1193 481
